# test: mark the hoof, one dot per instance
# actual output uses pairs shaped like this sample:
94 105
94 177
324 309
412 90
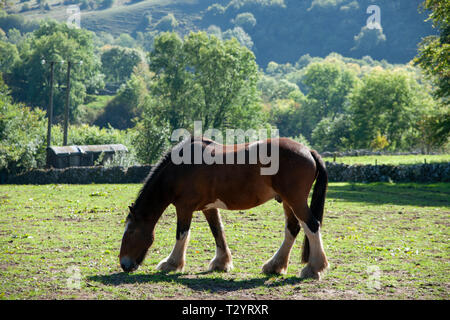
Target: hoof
308 273
222 265
270 267
167 266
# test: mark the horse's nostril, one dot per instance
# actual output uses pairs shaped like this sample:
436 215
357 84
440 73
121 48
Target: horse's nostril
126 264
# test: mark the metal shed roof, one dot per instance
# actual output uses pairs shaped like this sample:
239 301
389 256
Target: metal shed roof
108 148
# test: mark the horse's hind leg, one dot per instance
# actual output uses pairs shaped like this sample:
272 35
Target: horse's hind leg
177 258
317 260
222 261
279 262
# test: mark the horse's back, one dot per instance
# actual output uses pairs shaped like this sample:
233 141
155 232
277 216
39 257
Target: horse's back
241 185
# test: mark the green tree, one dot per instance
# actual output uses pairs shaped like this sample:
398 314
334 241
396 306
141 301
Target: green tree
58 43
388 103
201 78
434 51
127 105
240 35
9 56
22 134
226 74
328 83
217 78
14 36
332 134
273 89
167 23
285 114
434 58
118 63
245 20
369 41
125 40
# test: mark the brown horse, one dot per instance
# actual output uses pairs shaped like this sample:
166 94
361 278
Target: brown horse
210 187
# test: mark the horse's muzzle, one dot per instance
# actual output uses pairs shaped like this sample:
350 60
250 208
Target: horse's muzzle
128 265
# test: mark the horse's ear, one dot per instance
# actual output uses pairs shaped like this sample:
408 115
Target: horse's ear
131 208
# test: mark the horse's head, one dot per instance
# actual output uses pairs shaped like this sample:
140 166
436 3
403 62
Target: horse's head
136 240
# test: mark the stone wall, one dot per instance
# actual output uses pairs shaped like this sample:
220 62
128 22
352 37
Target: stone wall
80 175
434 172
364 152
337 172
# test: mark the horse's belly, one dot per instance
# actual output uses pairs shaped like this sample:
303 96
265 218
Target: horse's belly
239 200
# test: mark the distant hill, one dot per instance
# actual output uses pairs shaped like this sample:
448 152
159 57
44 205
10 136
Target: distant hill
276 30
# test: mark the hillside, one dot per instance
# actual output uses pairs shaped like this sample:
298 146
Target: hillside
276 30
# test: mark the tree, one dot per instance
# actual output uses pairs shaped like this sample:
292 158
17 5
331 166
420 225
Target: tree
434 58
388 103
240 35
125 40
227 74
273 89
201 78
167 23
22 134
127 105
9 56
285 114
217 78
369 41
328 83
245 20
332 134
434 51
118 63
58 43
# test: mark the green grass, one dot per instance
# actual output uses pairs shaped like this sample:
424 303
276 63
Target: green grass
90 111
396 234
122 17
392 159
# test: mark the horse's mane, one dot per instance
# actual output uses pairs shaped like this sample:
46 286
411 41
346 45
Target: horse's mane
152 177
157 169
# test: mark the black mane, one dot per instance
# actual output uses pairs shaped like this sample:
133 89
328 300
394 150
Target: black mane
155 172
152 177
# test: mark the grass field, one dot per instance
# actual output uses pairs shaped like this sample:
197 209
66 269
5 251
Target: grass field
89 112
393 159
383 241
123 17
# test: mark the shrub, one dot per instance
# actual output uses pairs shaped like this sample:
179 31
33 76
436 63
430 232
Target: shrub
379 142
167 23
300 138
245 20
22 135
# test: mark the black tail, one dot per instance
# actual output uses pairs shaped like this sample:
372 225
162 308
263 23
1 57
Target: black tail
318 198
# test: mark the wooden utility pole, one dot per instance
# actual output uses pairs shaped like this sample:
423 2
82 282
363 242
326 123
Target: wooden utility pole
50 115
66 111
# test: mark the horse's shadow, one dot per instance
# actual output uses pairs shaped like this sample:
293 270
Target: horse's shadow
212 285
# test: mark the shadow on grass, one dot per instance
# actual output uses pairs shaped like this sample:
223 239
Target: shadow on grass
415 194
213 285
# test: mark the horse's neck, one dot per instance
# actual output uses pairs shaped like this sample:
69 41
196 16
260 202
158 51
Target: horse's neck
155 200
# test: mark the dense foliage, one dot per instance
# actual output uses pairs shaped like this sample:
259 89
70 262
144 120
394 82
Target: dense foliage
158 81
201 78
434 58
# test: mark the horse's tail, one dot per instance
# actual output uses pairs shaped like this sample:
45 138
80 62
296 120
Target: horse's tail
318 198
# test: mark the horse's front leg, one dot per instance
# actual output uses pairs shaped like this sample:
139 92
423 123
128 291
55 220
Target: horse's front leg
177 258
222 261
